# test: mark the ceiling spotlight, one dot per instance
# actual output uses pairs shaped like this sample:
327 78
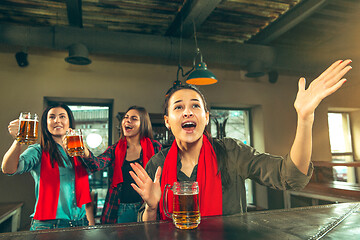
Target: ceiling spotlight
273 76
255 69
78 55
21 59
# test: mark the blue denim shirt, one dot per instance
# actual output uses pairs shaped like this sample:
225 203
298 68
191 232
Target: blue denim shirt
30 162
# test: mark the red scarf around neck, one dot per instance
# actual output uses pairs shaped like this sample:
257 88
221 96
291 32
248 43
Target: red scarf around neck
120 152
49 187
208 178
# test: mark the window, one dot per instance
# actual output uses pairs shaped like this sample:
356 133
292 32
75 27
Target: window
341 145
233 123
94 121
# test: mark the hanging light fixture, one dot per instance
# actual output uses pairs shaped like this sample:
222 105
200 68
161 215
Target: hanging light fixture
201 75
198 74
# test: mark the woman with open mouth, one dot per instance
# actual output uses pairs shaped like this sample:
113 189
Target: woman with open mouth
136 145
220 166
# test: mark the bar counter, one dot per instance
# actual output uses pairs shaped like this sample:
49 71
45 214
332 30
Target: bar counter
336 221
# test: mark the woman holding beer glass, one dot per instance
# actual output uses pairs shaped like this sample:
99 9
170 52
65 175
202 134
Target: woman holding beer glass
61 183
221 166
136 145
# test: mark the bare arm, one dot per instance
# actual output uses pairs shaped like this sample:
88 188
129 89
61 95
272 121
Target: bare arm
305 104
11 157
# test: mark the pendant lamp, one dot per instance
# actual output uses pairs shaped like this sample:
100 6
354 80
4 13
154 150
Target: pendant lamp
201 75
198 74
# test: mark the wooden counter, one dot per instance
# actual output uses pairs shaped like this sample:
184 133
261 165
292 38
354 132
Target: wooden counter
336 221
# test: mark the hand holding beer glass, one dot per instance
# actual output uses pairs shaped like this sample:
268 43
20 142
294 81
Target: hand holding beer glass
75 143
186 210
28 128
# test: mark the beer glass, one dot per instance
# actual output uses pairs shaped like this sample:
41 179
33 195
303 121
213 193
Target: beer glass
28 128
186 210
75 143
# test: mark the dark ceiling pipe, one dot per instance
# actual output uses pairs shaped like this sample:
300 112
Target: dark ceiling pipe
237 56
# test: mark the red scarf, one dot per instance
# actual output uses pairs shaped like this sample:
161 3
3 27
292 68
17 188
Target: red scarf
49 187
210 188
120 151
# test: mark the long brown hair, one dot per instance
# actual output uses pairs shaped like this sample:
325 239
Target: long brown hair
47 142
145 123
218 146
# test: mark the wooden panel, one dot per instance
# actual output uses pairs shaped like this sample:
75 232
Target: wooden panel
231 21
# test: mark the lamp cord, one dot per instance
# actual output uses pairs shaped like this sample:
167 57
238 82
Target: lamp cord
181 34
198 52
196 45
179 65
180 68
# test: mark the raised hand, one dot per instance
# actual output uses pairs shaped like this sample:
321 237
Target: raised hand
327 83
149 190
13 128
305 104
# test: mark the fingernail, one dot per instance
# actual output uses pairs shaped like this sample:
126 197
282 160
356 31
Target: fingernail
340 61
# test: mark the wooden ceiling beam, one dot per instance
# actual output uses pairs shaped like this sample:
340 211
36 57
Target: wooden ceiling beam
193 10
287 21
74 13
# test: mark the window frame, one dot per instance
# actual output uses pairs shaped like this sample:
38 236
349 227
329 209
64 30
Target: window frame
351 154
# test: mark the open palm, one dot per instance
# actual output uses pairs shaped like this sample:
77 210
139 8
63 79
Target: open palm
149 190
327 83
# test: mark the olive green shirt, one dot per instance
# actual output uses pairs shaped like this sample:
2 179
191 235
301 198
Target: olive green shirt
243 162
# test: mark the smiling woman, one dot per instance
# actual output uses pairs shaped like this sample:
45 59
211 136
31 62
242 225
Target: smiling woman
60 180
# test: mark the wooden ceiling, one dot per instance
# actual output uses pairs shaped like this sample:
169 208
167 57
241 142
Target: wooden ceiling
229 20
296 24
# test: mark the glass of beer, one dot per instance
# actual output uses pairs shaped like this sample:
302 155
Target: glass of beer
75 143
186 211
28 128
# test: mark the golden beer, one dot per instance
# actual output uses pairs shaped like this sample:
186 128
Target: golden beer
186 212
75 143
28 129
